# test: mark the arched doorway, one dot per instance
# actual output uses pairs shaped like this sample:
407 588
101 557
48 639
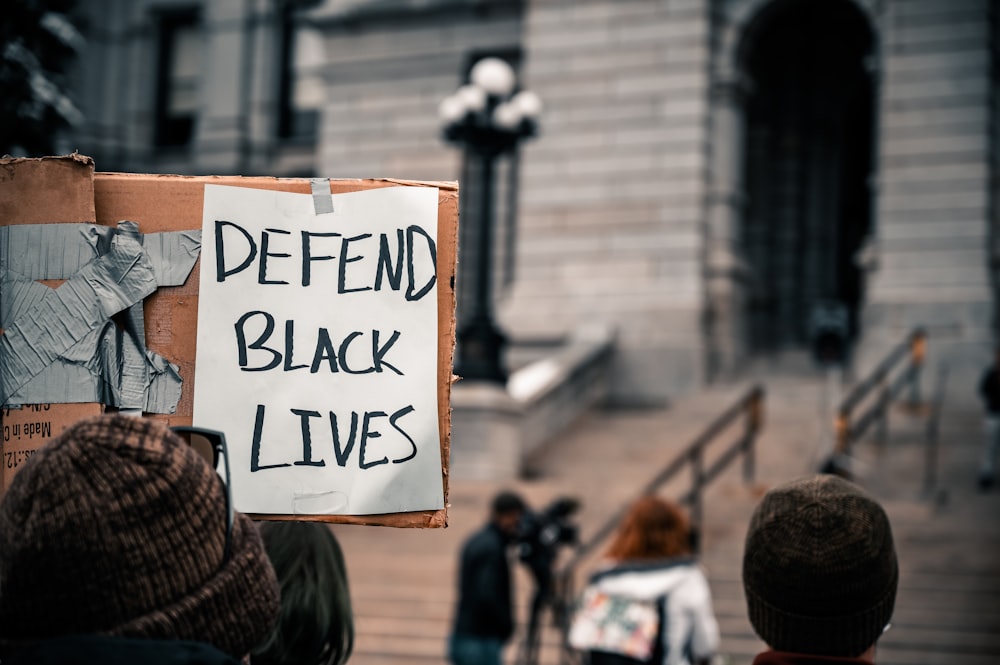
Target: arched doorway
808 160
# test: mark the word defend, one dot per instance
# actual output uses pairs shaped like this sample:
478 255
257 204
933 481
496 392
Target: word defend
317 349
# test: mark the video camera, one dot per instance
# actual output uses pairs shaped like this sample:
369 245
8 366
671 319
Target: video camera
541 533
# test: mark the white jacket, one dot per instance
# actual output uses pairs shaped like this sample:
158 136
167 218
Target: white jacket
690 632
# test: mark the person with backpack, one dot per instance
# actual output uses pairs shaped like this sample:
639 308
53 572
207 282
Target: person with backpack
650 601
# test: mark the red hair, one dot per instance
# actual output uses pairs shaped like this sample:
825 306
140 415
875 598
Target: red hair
652 529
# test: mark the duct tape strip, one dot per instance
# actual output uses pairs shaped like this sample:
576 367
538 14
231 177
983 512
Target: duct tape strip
57 251
322 199
59 345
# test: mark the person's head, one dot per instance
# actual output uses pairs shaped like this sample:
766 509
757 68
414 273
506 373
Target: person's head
819 568
117 527
316 626
506 511
653 528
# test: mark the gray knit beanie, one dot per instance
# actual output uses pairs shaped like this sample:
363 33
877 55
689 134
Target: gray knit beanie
819 568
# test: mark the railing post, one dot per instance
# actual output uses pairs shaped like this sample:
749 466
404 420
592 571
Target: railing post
842 443
882 433
842 431
931 433
918 352
930 455
697 480
755 416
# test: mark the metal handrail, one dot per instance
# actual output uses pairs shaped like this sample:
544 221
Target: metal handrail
931 432
849 427
750 405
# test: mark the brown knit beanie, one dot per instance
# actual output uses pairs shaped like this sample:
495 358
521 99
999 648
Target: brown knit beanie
819 568
117 527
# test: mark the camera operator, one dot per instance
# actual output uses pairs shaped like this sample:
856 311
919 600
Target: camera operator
541 534
484 619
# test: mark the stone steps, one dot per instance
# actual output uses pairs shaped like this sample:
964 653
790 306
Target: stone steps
402 581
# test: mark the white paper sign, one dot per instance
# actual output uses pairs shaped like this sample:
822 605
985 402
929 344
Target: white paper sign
317 349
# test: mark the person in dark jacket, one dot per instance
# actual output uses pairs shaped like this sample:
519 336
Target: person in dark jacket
989 390
117 546
819 573
484 619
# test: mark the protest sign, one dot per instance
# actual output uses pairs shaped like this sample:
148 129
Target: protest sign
159 323
317 328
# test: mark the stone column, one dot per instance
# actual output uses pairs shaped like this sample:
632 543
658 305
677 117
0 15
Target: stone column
934 193
725 269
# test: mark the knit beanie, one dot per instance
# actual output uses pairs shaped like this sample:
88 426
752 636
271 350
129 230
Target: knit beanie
819 568
117 527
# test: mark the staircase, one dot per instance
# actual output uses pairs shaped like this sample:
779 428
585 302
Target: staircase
948 609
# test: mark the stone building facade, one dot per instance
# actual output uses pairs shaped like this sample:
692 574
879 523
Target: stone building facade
709 174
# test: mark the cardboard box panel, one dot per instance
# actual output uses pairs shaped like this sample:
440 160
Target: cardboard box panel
49 190
65 189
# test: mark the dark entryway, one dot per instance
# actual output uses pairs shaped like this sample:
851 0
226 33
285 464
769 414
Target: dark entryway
808 160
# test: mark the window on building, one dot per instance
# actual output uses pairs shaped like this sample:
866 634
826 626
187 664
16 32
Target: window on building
301 83
178 78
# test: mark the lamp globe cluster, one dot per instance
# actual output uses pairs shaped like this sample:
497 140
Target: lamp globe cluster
486 114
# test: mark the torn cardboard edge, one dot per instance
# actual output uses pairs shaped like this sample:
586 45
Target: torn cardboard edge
173 203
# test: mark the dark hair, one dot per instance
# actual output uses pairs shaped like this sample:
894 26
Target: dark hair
507 502
315 625
652 529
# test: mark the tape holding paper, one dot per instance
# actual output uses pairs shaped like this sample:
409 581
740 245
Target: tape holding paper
319 503
59 345
322 198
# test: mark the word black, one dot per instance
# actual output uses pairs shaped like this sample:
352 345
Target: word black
324 351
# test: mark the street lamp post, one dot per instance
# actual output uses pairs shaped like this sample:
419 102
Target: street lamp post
488 120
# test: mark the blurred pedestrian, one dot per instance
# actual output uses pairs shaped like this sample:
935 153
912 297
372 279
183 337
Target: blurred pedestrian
650 601
117 545
315 625
820 573
989 390
484 618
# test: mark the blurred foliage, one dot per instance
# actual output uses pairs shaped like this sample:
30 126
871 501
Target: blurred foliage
38 41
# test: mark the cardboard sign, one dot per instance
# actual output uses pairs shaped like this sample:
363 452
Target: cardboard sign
176 203
314 326
167 212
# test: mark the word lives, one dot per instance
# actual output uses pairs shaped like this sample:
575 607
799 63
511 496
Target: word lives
373 438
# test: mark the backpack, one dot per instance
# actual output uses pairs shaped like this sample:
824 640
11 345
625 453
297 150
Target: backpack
618 630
